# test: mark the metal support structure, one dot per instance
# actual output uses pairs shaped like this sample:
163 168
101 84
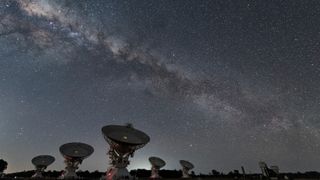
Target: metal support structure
119 162
155 172
39 171
70 170
185 172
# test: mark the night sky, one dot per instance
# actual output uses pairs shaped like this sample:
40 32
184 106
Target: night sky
219 83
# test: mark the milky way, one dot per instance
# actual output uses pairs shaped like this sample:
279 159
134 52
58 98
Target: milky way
222 84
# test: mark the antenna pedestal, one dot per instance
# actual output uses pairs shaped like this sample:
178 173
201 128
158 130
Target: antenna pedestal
185 173
118 174
118 170
70 170
38 173
155 173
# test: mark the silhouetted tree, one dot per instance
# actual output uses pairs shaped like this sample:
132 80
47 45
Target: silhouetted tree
143 173
170 173
3 165
215 172
193 174
230 174
53 174
22 174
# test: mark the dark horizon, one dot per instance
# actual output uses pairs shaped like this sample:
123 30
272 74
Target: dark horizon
147 172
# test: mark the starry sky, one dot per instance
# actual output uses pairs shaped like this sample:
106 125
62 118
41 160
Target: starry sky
219 83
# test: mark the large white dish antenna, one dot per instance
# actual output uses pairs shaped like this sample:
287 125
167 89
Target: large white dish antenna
74 153
186 166
123 141
156 163
125 135
76 150
41 162
264 168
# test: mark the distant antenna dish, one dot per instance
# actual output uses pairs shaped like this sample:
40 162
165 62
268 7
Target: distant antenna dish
123 141
41 163
243 172
186 166
74 154
156 163
264 168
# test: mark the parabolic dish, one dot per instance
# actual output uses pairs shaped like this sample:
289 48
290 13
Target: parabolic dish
155 161
186 164
43 160
76 150
125 135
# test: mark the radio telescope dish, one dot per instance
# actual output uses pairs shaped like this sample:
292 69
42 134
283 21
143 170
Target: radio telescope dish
186 166
123 141
41 163
156 163
264 168
74 153
125 135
